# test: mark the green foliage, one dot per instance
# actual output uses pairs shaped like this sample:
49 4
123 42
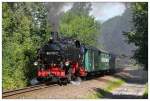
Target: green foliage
139 34
25 29
145 95
78 24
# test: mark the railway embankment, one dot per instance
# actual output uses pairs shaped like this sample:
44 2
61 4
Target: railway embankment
119 85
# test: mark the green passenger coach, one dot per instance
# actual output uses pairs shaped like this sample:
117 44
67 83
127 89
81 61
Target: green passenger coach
96 60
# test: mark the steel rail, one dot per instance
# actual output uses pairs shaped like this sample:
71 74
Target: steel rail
26 89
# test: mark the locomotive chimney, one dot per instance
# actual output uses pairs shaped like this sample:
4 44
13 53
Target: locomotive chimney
54 36
54 33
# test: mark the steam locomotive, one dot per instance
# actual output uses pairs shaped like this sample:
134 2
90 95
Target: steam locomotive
66 59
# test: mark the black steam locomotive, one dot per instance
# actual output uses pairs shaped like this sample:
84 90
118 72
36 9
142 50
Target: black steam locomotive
60 59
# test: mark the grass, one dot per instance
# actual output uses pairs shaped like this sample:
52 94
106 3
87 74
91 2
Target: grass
145 95
112 85
95 96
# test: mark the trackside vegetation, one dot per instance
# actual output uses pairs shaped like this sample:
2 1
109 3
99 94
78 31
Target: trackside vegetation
139 33
25 28
145 95
21 37
111 86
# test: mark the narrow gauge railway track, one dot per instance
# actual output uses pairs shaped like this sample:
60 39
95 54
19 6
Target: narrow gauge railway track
6 94
26 89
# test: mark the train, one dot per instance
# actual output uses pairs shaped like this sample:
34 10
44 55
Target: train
67 59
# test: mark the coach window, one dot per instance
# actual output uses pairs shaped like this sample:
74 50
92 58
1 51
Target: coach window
77 43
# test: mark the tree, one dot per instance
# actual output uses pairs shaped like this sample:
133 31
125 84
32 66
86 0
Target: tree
139 34
77 23
25 29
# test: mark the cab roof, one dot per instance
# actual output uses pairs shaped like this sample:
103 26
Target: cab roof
94 48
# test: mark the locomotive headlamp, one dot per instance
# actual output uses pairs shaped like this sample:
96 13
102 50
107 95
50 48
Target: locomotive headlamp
35 63
67 63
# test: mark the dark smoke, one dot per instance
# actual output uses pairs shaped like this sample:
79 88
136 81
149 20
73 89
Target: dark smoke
56 10
54 14
81 8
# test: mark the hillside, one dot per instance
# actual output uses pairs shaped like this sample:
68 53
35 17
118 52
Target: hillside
112 36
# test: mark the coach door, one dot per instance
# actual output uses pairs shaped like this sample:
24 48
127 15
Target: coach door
88 60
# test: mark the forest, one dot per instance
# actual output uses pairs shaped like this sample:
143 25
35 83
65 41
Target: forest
27 26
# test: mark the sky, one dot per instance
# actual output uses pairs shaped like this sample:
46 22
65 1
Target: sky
103 11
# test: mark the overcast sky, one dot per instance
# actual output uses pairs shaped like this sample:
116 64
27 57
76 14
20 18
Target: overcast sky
103 11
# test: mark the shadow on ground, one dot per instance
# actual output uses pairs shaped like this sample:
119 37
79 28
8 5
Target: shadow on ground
134 76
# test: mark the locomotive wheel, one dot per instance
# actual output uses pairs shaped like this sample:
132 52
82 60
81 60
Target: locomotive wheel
78 79
84 78
72 77
69 75
40 79
60 82
64 81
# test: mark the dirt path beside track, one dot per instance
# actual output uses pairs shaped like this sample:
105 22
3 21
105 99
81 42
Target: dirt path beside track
133 88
